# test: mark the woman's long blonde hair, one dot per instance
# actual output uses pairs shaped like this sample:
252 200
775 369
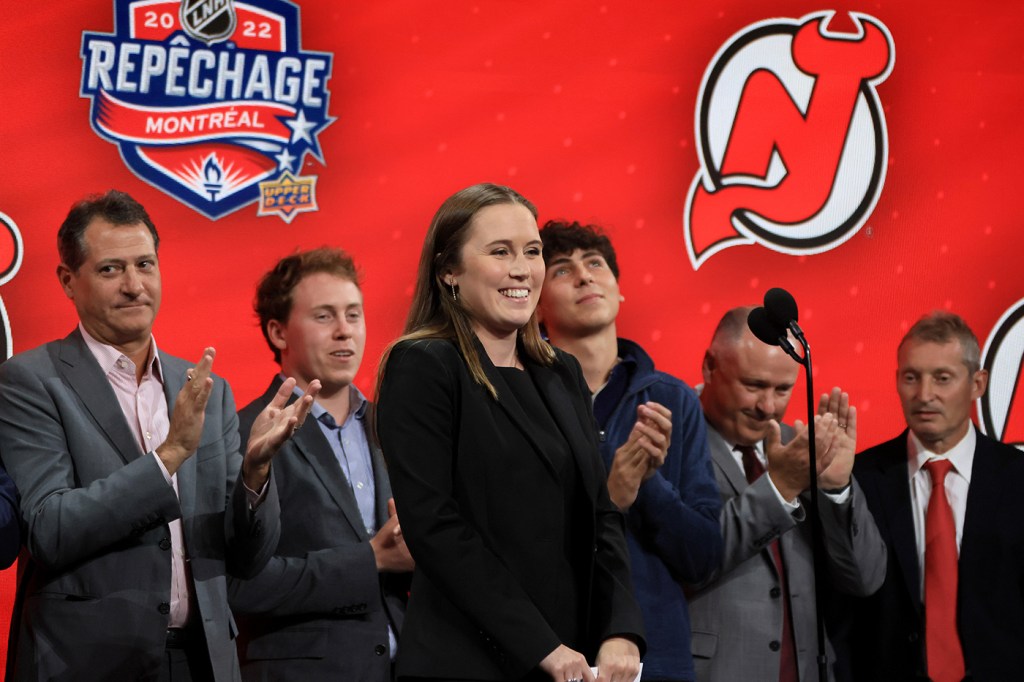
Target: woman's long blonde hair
435 313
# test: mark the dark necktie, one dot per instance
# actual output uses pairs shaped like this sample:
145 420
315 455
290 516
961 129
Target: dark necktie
942 643
753 469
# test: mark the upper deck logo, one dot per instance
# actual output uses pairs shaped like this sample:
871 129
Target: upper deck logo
1001 408
206 99
791 137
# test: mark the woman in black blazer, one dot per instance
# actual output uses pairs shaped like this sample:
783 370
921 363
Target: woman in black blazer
521 566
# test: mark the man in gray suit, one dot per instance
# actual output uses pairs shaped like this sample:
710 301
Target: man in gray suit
134 495
329 605
755 618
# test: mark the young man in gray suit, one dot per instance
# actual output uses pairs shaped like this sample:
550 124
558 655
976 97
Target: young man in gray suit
134 495
755 618
330 603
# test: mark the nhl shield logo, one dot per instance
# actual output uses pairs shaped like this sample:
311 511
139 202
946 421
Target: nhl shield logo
208 20
791 137
1001 409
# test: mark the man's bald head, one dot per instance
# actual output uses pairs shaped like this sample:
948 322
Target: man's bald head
747 383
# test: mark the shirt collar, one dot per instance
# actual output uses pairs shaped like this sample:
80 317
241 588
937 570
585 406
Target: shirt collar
758 448
733 445
357 403
961 454
108 357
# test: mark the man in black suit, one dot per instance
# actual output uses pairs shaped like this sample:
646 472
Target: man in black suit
962 618
329 604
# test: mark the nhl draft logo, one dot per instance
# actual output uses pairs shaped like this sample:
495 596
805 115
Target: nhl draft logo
1001 409
791 137
209 99
11 250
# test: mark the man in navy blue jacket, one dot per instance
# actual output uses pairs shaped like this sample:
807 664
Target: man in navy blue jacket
653 441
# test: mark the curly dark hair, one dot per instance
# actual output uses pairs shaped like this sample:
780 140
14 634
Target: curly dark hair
562 238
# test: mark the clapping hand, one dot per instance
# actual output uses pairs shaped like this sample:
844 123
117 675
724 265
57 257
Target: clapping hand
273 426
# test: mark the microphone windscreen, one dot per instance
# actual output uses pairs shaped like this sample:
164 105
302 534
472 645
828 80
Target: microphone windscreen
781 307
764 328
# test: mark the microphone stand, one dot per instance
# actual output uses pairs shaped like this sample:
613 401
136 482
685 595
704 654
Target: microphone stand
817 536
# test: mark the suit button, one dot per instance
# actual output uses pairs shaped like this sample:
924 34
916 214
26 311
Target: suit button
774 593
912 637
165 544
774 645
164 608
380 649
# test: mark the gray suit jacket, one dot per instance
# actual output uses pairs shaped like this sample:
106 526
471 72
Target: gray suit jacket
737 614
320 609
93 599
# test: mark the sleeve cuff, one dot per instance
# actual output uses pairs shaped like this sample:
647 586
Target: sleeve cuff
163 469
791 507
256 498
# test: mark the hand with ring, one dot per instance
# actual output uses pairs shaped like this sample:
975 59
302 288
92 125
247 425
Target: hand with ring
837 475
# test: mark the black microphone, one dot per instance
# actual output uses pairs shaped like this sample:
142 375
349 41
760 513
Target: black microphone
781 306
769 331
781 309
772 324
764 328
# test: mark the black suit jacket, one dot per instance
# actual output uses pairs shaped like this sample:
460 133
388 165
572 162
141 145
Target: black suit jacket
887 639
319 610
483 514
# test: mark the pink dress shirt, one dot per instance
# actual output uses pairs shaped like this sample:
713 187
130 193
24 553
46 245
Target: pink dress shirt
145 409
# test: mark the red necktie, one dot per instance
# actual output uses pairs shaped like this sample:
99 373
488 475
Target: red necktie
753 468
942 643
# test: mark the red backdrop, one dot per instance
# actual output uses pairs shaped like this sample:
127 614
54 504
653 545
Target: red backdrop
589 110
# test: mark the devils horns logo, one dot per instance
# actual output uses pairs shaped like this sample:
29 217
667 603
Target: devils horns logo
791 136
207 99
11 250
1001 409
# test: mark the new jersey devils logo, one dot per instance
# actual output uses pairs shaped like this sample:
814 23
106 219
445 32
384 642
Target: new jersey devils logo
1001 409
11 250
791 135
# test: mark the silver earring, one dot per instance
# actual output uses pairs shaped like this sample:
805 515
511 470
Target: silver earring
455 297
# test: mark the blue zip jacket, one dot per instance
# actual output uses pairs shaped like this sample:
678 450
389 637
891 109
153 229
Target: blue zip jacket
672 529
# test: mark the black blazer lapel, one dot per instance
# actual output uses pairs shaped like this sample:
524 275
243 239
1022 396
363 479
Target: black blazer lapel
508 404
84 376
895 496
550 384
983 502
